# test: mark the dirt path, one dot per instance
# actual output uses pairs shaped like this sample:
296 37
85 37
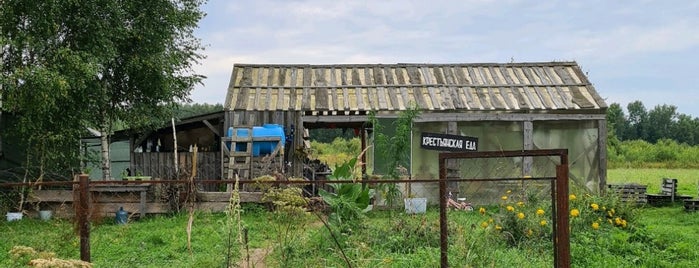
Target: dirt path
257 258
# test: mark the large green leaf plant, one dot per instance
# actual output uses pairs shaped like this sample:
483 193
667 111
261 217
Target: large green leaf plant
349 200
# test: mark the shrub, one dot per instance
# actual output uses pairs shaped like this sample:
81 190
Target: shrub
523 219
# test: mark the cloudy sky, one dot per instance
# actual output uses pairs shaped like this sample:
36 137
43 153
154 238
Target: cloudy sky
631 50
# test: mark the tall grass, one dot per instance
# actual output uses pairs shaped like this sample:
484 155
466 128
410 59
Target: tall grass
642 154
339 151
662 237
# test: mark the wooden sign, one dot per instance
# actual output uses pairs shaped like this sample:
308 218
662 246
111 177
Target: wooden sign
446 142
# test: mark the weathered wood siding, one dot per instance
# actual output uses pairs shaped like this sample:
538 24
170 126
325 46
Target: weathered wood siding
162 165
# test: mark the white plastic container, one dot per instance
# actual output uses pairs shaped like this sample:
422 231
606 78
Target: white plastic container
417 205
14 216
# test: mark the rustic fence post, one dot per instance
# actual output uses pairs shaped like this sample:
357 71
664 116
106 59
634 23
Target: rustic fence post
83 212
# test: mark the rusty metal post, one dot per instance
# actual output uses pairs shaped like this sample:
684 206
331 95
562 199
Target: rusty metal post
562 243
443 232
83 212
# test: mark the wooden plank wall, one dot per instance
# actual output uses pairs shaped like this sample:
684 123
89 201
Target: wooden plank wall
106 204
161 165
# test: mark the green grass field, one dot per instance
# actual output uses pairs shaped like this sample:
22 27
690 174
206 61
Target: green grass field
687 179
656 237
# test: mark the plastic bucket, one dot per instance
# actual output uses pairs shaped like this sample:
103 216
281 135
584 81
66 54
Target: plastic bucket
45 215
14 216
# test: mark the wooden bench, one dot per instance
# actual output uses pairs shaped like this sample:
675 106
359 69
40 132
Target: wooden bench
691 205
629 192
668 193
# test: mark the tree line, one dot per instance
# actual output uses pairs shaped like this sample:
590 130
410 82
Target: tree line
660 123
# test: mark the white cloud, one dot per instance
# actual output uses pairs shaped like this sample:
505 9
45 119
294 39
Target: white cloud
617 42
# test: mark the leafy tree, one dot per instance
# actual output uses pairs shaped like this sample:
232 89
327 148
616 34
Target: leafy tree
328 135
662 121
71 64
638 121
686 129
188 110
616 120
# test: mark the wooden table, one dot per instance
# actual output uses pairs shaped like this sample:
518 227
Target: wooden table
121 188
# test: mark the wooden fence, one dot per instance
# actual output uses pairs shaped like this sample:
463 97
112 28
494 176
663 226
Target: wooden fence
161 166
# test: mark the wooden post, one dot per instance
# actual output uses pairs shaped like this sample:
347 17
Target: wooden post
602 149
174 148
298 146
84 217
528 140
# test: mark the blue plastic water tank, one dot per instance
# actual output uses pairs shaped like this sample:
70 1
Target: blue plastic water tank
259 147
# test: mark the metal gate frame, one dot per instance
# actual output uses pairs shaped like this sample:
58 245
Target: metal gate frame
559 196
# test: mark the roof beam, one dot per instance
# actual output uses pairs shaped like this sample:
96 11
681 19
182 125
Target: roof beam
447 117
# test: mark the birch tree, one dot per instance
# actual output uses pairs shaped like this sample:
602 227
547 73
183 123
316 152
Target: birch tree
80 63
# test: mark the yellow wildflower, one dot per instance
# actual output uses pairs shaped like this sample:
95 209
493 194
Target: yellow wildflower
520 203
595 225
542 223
509 191
540 212
623 223
617 221
571 197
498 227
504 197
482 210
575 212
484 224
530 232
610 221
490 220
594 206
510 208
520 215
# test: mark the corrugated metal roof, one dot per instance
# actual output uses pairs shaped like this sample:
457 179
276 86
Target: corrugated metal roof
390 87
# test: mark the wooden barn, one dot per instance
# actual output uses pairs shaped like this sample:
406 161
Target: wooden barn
510 106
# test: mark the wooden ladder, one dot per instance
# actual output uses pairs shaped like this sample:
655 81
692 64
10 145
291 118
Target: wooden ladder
239 162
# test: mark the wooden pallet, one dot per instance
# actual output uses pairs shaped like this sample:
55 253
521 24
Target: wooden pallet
629 192
691 205
668 193
661 199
